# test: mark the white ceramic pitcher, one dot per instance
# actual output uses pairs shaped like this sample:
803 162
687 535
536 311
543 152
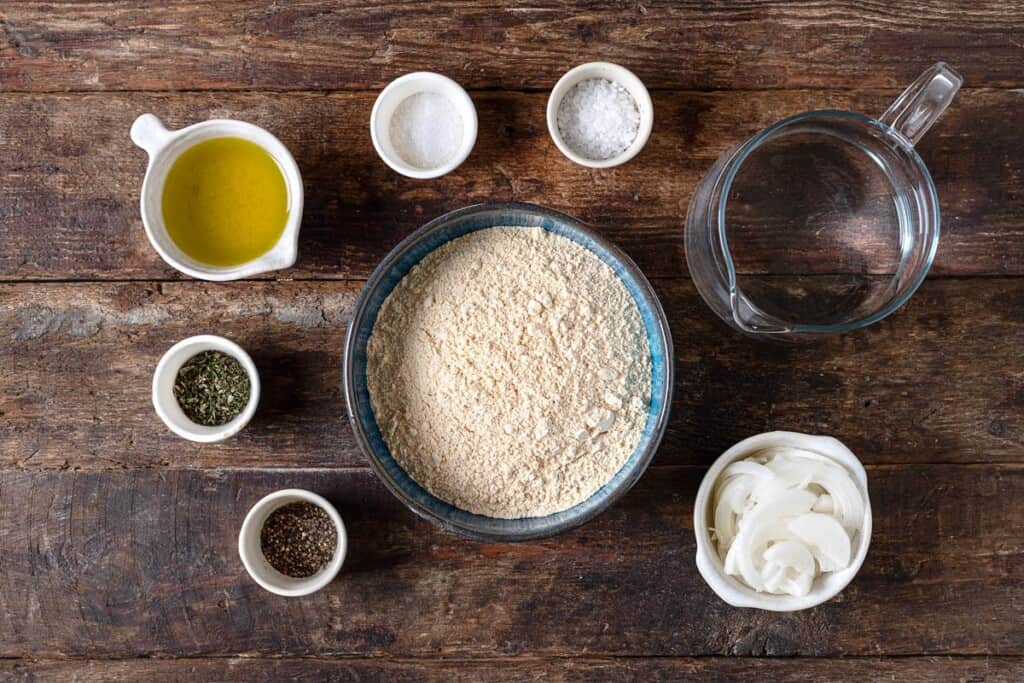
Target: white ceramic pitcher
165 146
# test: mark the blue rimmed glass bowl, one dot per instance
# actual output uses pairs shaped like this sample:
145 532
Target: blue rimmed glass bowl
357 396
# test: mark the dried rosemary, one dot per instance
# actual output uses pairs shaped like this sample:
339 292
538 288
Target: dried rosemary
212 388
298 539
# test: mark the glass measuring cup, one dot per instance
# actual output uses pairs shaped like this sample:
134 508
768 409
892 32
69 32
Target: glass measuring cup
824 222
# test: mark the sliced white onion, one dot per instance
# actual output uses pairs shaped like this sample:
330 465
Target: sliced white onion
824 504
763 524
825 537
784 515
802 468
791 554
799 586
847 501
732 500
773 576
747 467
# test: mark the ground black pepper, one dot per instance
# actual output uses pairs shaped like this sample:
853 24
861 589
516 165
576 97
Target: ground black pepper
212 388
299 539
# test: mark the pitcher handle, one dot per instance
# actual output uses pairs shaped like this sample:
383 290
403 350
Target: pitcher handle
917 108
149 133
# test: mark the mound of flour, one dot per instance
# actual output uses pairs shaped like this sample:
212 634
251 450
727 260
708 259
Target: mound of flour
510 373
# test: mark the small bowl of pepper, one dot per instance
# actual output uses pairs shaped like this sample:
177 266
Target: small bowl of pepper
292 542
206 388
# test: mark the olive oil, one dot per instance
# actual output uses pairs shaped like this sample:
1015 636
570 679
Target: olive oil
225 201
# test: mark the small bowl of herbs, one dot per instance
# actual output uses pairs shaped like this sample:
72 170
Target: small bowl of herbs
206 388
292 542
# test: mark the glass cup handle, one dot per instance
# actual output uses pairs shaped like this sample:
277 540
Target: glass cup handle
917 108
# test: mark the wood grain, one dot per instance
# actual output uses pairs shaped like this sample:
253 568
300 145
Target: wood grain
119 539
929 384
69 187
583 669
315 44
144 563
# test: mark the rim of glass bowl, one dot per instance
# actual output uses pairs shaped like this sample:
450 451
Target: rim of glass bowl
753 143
460 521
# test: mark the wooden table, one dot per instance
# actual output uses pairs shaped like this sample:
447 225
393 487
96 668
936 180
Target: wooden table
117 539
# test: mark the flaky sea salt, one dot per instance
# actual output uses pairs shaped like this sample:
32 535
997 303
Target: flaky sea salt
598 119
426 130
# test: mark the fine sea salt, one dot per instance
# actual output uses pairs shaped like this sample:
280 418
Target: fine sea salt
598 119
426 130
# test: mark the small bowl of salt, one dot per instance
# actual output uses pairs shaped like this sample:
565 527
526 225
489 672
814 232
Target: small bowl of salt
423 125
600 115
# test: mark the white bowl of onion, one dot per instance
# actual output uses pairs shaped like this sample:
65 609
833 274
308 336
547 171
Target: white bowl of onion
783 521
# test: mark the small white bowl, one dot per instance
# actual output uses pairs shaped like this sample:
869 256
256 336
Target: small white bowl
250 549
826 586
406 86
163 388
617 74
164 147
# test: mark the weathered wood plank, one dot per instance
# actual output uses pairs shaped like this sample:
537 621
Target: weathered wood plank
929 384
584 669
150 45
145 563
69 186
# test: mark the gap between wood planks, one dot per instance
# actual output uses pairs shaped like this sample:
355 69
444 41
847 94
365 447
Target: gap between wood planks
285 280
518 659
482 91
361 469
556 667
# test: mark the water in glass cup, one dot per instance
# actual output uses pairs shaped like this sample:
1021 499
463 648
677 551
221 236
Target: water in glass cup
824 222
